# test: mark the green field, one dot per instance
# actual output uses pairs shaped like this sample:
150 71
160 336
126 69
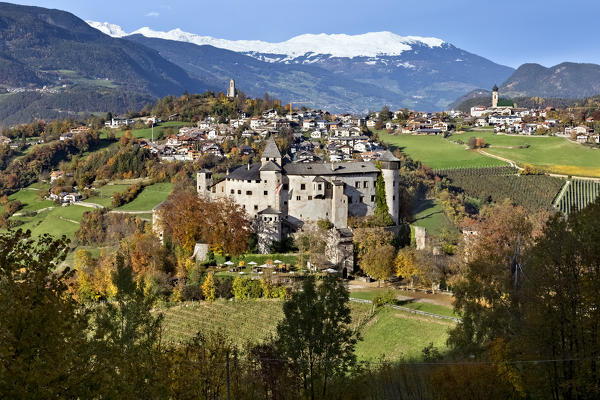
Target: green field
30 197
390 333
394 335
150 197
57 221
555 154
429 215
415 304
104 196
437 152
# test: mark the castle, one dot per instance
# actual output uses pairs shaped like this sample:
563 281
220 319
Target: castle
282 196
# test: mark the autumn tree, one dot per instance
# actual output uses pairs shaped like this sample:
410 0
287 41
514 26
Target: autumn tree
375 252
407 267
208 287
486 291
559 301
189 219
43 331
127 335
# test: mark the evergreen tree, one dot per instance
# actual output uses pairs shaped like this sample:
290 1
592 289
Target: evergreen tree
382 212
315 336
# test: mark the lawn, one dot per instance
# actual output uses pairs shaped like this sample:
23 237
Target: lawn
414 303
389 332
30 197
394 335
554 154
104 197
57 221
437 152
150 197
429 215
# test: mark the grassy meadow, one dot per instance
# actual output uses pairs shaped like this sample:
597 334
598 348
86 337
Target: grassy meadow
429 215
437 152
150 197
554 154
551 153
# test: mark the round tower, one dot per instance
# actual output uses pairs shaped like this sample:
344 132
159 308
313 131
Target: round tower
390 166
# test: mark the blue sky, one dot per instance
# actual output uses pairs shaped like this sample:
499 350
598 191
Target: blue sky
509 32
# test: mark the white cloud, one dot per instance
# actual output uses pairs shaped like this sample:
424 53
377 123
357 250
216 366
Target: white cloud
152 14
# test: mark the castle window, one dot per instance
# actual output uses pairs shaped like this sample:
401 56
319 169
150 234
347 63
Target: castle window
394 197
249 181
372 199
310 197
255 207
266 193
357 184
366 184
320 187
302 186
239 191
362 199
222 189
232 191
249 192
298 198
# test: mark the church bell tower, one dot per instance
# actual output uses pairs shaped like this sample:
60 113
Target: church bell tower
231 90
495 97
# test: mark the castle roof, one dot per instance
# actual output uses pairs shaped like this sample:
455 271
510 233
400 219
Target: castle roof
327 169
270 166
269 210
244 173
388 156
271 149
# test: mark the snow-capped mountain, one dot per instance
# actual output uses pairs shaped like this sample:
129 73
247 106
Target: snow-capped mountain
107 28
370 44
420 72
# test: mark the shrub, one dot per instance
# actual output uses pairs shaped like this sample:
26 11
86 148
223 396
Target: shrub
388 297
191 292
245 288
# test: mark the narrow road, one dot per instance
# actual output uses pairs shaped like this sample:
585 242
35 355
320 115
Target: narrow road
410 310
87 204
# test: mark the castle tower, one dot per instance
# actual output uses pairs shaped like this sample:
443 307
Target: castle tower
271 153
204 182
231 91
495 97
268 229
339 205
390 166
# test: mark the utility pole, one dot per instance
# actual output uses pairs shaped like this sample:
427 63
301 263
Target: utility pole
228 391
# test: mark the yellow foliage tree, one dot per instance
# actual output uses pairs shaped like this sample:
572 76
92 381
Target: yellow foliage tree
208 287
407 265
